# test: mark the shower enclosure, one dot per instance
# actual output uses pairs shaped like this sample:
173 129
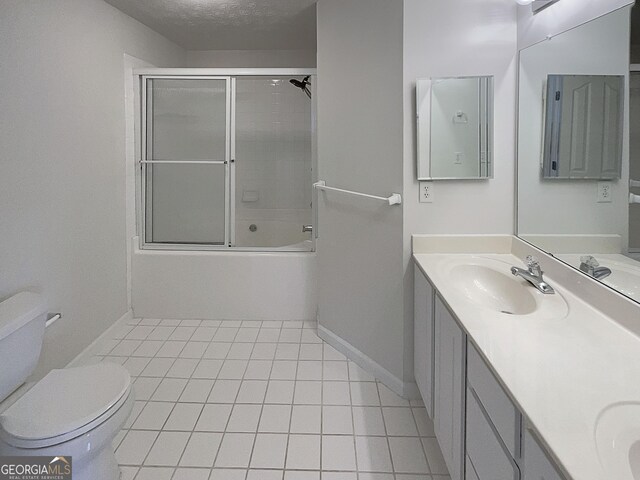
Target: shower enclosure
226 160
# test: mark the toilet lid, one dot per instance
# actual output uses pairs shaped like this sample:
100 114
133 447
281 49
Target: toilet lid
65 400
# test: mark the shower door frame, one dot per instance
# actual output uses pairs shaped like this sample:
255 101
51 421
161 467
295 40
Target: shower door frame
230 75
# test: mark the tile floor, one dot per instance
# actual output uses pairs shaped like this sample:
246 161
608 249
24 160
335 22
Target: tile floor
258 400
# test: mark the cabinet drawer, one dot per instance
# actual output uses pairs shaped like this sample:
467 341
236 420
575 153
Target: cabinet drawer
484 450
502 413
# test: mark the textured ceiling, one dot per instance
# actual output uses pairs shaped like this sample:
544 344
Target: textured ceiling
228 24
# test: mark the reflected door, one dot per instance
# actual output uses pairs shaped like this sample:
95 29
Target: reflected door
186 160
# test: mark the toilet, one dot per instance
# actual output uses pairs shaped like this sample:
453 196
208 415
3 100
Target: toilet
72 412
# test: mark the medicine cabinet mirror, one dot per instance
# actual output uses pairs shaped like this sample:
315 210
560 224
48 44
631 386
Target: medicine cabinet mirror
578 177
455 128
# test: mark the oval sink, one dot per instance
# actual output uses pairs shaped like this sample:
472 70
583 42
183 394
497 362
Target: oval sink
497 291
617 436
488 283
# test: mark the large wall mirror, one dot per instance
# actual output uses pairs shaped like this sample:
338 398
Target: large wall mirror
579 149
455 128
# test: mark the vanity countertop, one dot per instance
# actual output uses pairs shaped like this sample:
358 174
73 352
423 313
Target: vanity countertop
562 373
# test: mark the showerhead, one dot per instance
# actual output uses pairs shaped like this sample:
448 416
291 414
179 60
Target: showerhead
302 84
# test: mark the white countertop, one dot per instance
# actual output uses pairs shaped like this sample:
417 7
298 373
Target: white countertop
561 372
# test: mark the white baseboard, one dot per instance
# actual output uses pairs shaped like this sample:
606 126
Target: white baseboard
84 356
404 389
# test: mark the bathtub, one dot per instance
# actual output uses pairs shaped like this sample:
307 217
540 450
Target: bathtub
231 285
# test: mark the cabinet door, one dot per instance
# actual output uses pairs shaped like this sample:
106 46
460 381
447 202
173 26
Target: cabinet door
537 465
423 338
449 401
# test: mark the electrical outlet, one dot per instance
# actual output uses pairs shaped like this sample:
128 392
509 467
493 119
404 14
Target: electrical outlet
604 192
426 192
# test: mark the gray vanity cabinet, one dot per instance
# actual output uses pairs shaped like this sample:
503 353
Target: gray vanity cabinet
449 388
423 338
537 465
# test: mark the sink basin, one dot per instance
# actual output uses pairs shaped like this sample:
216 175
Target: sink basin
497 291
617 436
489 284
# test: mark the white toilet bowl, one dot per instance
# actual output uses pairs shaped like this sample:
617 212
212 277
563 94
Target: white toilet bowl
73 412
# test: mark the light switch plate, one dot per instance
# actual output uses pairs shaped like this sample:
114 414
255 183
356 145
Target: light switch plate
426 192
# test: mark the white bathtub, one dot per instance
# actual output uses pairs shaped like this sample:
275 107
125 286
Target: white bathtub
234 285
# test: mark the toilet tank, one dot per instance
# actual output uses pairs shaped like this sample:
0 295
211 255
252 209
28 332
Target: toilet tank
22 322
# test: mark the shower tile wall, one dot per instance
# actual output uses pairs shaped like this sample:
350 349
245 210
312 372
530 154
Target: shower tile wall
273 162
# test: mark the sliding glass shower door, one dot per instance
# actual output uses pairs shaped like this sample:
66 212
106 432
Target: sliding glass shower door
187 160
226 163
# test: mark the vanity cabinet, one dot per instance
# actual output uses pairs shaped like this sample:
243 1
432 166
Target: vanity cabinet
479 429
536 464
449 388
423 338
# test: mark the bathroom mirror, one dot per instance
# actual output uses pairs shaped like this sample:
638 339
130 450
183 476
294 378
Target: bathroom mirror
455 128
579 209
583 127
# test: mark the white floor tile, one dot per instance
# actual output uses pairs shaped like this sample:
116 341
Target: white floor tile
183 417
268 335
137 408
258 370
309 369
284 370
233 369
373 454
272 324
217 351
280 391
269 451
145 386
190 323
168 449
208 369
252 391
408 455
197 390
171 349
240 351
339 476
337 420
287 351
139 333
169 390
330 353
214 418
404 476
128 473
368 421
247 335
225 334
251 324
191 474
423 422
303 452
148 348
308 393
204 334
336 393
335 370
150 321
122 332
310 336
125 348
264 475
290 335
244 418
357 374
210 323
389 398
135 365
224 391
157 367
194 349
306 419
338 453
153 416
161 332
182 368
227 474
135 447
155 473
364 394
201 450
182 333
380 476
275 419
311 351
264 351
235 450
399 422
434 456
301 475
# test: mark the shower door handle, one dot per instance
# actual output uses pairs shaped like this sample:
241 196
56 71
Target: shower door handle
307 228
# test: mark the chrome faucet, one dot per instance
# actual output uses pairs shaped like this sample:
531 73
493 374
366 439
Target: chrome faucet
591 267
533 275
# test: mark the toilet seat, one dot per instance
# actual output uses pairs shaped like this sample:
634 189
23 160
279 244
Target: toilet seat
65 404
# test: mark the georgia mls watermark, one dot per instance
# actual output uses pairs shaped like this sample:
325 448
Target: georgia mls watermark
35 468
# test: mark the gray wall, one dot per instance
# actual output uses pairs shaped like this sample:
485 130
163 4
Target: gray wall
360 148
62 186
